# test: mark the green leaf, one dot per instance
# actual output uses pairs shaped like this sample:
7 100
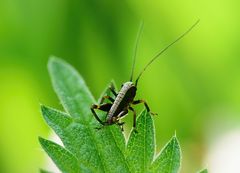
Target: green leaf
75 136
99 151
64 160
80 136
169 158
203 171
71 89
115 130
141 144
83 143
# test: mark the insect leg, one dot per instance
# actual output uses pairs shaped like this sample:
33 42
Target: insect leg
121 125
141 101
121 114
105 107
145 104
112 89
134 117
106 97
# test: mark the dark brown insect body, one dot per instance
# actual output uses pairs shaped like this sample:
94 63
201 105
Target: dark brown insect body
119 106
122 102
124 99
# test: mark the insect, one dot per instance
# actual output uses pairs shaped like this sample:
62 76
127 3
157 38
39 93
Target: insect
124 101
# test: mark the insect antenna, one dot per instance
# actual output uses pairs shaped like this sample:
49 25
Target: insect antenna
136 48
166 48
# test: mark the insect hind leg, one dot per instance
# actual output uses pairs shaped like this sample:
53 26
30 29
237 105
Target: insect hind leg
105 107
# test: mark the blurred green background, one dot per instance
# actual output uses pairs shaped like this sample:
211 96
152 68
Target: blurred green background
194 87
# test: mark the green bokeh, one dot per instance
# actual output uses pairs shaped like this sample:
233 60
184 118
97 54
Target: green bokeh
192 87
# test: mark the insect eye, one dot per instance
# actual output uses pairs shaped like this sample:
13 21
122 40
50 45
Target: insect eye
121 85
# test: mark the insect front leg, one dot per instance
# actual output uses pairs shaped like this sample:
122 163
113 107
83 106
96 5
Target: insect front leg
112 89
121 114
105 107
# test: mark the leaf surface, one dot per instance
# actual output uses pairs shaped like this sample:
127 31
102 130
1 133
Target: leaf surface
78 133
71 89
64 160
99 151
141 144
75 136
169 158
116 131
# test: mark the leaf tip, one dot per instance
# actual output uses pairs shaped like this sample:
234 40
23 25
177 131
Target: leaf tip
41 140
53 61
44 142
175 134
175 139
43 108
44 111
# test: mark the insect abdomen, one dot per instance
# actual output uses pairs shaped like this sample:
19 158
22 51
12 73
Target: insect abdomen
124 97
